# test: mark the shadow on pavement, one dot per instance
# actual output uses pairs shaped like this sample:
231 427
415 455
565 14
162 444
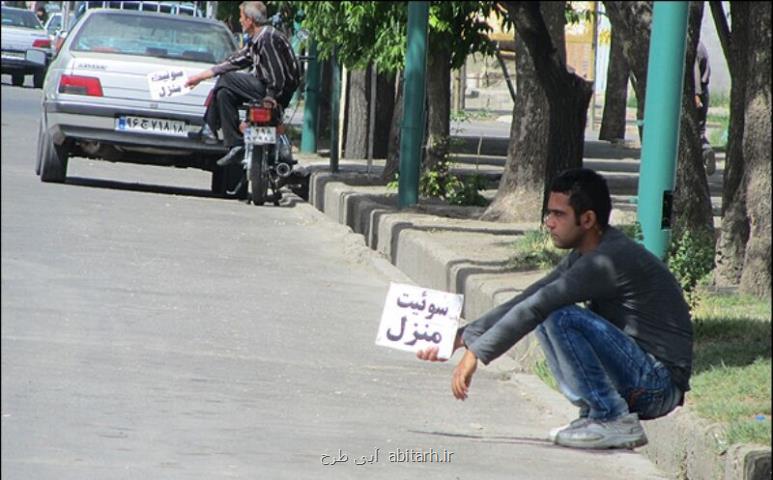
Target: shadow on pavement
513 440
289 200
141 187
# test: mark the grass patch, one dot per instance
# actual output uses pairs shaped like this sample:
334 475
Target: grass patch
542 371
534 250
731 380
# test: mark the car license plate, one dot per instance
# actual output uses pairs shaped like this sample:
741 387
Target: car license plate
14 55
160 126
260 135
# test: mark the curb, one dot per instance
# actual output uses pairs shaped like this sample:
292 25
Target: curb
463 255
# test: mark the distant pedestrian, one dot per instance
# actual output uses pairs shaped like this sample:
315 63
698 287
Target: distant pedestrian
626 356
702 75
40 12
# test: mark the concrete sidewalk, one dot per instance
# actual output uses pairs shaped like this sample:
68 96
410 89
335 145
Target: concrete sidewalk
446 248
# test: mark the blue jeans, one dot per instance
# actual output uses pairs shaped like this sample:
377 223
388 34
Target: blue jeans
602 370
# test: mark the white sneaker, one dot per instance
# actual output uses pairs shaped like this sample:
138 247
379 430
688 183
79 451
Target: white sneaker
577 422
622 432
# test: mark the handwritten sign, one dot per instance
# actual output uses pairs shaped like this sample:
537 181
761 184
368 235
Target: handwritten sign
415 318
167 83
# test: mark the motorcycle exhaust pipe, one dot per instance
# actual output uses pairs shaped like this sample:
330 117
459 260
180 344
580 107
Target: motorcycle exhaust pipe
283 169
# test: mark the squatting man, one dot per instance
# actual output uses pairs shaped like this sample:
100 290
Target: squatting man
625 356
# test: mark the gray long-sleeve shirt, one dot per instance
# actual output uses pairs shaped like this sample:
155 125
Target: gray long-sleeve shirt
622 282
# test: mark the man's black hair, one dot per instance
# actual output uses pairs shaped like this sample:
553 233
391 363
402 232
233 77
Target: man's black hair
587 190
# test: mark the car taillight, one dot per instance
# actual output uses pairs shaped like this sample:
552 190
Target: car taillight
259 115
80 85
42 43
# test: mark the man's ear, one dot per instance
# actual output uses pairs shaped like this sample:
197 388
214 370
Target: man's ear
588 219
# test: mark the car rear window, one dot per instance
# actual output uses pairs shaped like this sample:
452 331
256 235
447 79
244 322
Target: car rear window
157 36
20 18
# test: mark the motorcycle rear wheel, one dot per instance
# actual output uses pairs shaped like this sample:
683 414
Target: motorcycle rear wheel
258 176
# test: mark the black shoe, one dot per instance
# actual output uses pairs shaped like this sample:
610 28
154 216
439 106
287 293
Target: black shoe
232 157
204 135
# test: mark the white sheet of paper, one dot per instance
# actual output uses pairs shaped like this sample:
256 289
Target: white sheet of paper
415 318
167 83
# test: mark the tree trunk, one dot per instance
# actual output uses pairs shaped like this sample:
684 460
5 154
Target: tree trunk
731 246
385 105
325 91
392 165
519 197
358 106
616 94
632 21
439 107
756 276
567 96
692 200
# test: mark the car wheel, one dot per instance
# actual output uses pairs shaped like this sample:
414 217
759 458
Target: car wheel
52 158
39 152
17 79
37 79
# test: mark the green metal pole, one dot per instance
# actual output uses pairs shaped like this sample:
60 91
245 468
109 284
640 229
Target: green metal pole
662 108
335 100
413 117
311 102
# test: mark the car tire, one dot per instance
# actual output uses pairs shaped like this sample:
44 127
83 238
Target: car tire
37 79
38 153
52 158
17 79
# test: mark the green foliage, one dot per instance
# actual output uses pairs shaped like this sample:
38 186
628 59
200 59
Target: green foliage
574 14
394 184
439 183
436 182
535 250
632 231
467 192
691 258
542 371
717 136
365 32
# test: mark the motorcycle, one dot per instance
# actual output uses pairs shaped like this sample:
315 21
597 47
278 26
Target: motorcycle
267 161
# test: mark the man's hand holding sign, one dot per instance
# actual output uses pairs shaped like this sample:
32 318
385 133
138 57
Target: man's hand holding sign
426 322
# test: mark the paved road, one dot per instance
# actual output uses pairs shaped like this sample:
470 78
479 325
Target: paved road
152 331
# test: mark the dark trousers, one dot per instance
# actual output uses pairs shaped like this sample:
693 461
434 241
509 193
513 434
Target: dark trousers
703 113
231 91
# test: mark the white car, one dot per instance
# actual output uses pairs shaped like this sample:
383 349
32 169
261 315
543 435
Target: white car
21 32
97 100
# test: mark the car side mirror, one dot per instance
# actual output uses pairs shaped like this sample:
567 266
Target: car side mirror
36 57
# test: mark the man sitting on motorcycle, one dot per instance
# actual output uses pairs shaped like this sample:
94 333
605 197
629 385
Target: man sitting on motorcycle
276 75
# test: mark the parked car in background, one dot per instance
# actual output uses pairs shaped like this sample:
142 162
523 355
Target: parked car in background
21 31
97 101
54 23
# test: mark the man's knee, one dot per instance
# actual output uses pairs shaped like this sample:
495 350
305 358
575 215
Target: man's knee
570 318
564 314
223 95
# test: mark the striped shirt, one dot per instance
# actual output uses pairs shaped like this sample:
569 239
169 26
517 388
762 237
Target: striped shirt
273 59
